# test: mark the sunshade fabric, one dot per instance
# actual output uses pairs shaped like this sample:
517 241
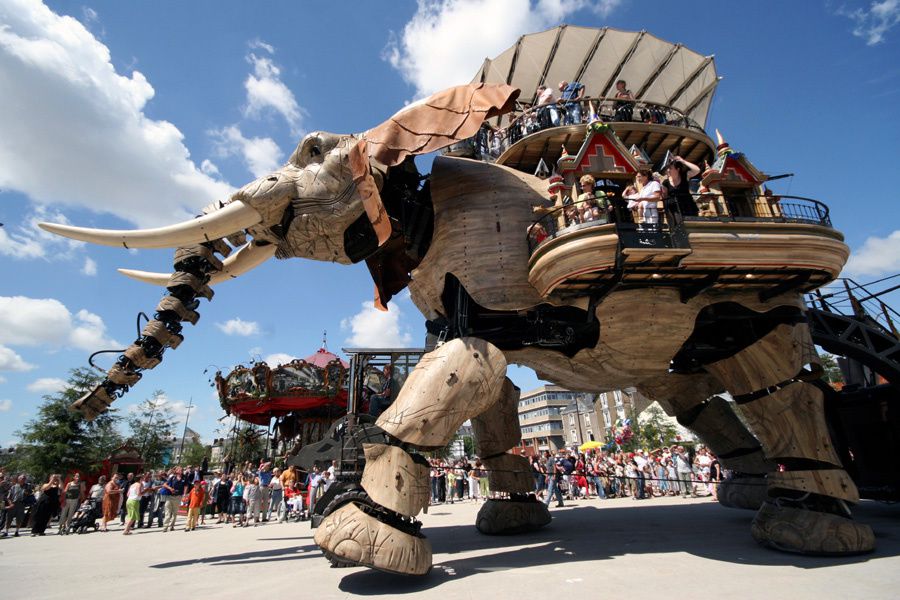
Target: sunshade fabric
656 70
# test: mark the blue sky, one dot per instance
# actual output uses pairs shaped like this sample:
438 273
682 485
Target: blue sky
118 114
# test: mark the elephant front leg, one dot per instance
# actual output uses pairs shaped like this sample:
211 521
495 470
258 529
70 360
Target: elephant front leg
454 383
807 507
496 431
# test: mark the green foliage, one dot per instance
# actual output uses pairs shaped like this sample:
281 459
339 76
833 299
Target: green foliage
832 372
60 440
653 429
151 430
194 453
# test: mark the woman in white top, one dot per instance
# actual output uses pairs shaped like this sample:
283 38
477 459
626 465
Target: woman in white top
646 199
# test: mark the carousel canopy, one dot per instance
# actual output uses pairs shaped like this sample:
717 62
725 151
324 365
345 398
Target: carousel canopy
655 70
313 385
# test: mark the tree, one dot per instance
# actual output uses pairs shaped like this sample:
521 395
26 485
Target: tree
151 430
61 440
654 429
194 453
833 373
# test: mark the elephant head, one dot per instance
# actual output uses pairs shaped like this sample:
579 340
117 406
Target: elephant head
325 204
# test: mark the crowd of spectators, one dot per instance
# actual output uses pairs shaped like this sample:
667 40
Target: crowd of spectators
241 497
254 494
568 474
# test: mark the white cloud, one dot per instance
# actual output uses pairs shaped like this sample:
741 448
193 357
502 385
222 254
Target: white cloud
27 240
261 155
238 326
179 408
5 406
259 44
278 358
873 23
66 112
209 167
266 92
10 361
46 385
90 267
877 256
371 327
447 40
46 321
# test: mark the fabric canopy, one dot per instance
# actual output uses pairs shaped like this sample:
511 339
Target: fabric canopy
655 70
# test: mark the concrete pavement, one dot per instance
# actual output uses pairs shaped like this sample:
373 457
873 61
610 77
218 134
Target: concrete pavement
661 548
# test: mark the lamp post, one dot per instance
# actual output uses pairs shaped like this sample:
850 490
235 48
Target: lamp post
184 434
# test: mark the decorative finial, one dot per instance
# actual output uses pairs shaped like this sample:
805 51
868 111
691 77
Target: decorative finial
325 339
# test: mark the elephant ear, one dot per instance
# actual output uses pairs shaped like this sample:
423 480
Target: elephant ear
438 121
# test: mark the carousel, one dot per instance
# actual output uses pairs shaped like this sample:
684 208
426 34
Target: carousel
302 397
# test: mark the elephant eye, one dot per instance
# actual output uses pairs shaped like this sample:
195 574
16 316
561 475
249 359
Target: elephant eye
315 151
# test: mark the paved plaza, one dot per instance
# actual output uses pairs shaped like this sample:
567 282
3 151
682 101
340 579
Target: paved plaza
660 548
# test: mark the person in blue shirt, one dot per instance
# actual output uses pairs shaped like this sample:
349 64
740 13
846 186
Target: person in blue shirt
570 95
172 491
265 492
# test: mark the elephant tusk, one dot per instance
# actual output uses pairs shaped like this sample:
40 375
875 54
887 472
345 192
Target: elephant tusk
246 258
233 217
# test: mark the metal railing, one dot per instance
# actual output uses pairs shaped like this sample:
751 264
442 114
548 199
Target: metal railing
489 143
847 297
584 214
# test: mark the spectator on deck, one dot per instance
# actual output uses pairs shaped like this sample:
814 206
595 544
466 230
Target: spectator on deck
570 97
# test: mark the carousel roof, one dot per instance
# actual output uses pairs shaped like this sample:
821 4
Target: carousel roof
322 357
656 70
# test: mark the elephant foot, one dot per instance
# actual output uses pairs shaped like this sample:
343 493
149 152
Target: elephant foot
742 491
505 517
793 527
352 536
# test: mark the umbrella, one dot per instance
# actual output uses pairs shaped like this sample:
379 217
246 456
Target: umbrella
592 445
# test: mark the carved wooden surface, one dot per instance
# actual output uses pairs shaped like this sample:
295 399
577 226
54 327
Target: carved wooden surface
352 535
503 517
581 251
455 382
497 429
827 482
509 473
791 424
394 480
777 357
481 213
678 393
808 532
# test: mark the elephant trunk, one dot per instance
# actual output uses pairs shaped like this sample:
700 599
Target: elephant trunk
194 266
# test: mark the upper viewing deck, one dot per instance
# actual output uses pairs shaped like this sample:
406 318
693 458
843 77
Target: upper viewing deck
599 106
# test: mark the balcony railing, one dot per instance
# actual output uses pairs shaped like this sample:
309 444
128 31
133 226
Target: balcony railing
490 143
669 232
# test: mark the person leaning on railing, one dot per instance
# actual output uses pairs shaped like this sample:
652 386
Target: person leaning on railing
570 97
623 110
644 196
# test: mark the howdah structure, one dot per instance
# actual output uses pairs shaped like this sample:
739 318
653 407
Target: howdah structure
593 285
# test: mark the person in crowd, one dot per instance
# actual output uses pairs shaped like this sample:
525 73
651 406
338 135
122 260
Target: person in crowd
112 494
593 476
196 503
290 477
644 196
313 480
124 482
14 505
265 491
570 95
172 491
548 115
715 476
474 487
555 473
236 508
276 501
641 463
133 496
624 105
678 191
221 492
47 505
73 497
539 475
253 496
685 472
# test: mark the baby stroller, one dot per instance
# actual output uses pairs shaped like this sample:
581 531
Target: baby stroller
86 516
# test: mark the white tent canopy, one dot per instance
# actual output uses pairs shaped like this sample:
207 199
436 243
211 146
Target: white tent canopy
656 70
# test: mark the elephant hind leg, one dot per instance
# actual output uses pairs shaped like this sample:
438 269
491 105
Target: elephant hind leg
496 431
807 507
